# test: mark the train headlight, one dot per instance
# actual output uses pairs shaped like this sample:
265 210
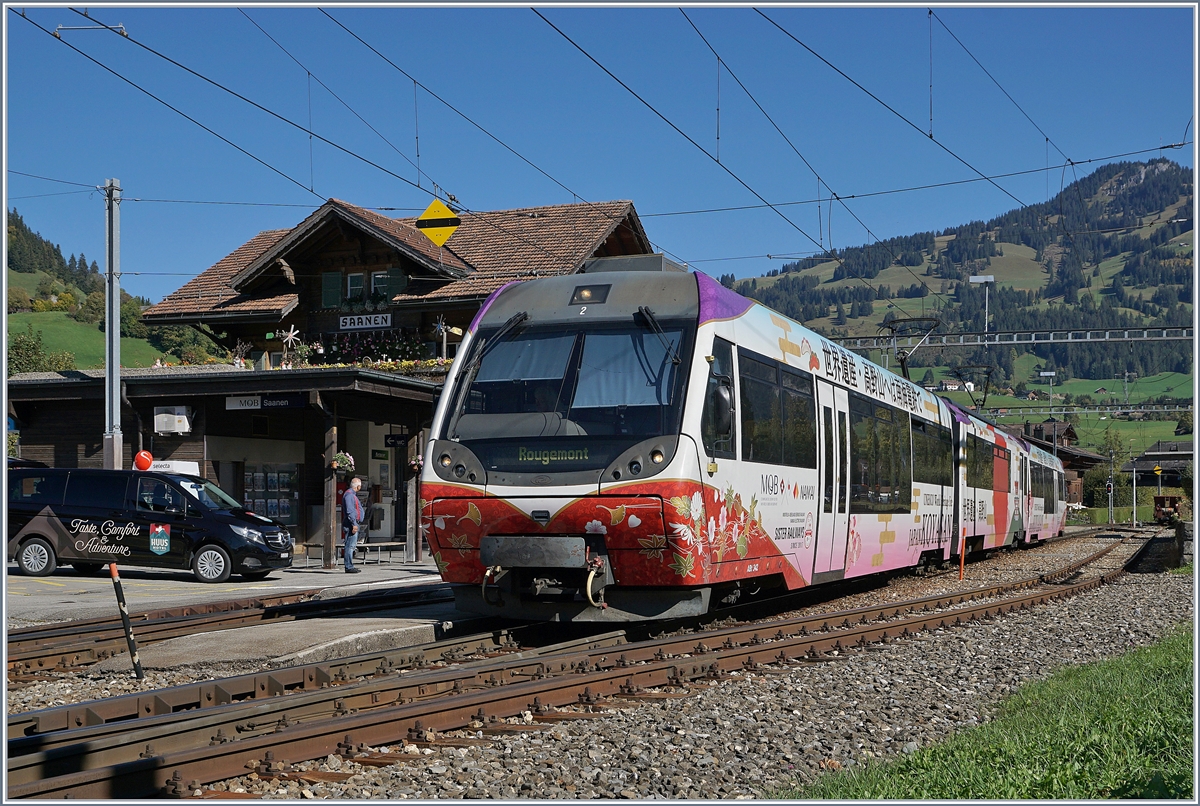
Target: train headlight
445 460
656 456
635 467
460 470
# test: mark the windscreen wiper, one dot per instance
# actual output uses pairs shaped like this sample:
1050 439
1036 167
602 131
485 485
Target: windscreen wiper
468 374
649 314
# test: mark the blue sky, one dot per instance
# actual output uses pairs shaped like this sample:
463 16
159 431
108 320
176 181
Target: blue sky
1097 81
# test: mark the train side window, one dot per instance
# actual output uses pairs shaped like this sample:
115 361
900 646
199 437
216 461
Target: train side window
762 416
932 451
799 421
980 467
880 458
718 395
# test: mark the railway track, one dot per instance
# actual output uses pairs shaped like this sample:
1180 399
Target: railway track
202 738
72 645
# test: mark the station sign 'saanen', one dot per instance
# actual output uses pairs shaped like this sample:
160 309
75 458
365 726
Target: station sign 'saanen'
366 321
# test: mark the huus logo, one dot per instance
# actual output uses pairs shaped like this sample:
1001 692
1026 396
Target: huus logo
546 457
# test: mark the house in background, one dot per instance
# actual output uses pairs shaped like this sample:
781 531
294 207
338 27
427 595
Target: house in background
1170 456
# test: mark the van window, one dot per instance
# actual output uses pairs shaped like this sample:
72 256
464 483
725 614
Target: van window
97 490
155 495
210 495
36 488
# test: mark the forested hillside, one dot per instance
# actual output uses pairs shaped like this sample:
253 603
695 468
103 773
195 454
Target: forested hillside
41 281
1113 249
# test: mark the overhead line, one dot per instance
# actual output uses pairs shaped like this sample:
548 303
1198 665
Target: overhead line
176 110
478 126
462 209
48 179
44 195
885 105
334 94
997 83
807 164
936 142
685 136
914 187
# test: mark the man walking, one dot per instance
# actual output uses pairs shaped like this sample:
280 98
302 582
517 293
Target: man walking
352 517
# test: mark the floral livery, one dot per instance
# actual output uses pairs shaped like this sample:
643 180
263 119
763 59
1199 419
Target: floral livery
655 534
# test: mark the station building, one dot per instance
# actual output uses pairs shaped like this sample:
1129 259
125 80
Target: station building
353 292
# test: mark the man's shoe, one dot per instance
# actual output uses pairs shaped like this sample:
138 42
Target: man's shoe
353 570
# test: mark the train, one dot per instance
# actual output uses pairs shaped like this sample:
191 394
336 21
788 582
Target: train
628 445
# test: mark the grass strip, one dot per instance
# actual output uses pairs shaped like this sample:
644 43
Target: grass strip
1119 728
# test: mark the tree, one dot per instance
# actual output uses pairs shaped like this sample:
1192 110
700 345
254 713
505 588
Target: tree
840 319
928 379
45 287
27 354
18 299
1113 444
92 309
1184 426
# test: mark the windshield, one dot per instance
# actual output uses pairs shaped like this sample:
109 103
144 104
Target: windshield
209 494
586 395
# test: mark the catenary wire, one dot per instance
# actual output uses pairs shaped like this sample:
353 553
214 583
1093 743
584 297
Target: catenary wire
803 159
913 188
461 208
685 136
48 179
998 85
478 126
174 109
339 98
44 195
886 106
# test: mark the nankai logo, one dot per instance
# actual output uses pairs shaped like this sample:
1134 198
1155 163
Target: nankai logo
546 457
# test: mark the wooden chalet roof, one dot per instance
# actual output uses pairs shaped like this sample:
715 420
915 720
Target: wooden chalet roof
507 245
488 250
212 291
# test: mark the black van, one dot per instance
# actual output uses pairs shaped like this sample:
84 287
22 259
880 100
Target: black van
88 518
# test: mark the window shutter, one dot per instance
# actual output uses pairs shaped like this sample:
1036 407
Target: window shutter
331 289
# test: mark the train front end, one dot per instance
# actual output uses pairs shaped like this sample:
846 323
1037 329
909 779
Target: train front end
556 444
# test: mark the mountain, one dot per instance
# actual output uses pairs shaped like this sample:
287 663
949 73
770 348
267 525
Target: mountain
1113 249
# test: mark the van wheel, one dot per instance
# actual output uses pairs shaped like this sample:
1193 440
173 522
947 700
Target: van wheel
36 558
254 576
87 569
211 564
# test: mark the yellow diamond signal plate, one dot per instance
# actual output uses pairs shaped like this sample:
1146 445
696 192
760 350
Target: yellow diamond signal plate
438 222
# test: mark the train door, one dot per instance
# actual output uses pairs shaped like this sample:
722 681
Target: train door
960 488
833 459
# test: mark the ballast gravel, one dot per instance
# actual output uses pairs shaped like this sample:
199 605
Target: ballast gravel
742 737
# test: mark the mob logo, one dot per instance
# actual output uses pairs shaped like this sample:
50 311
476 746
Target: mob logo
160 538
